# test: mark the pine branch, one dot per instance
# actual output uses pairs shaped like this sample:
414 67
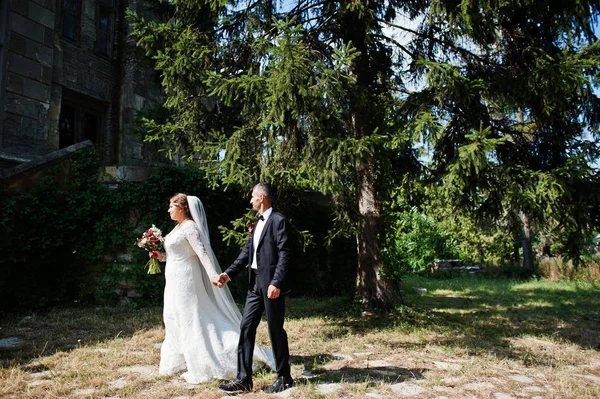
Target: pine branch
444 43
397 44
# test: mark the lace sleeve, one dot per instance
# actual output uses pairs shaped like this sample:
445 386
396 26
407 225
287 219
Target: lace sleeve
192 234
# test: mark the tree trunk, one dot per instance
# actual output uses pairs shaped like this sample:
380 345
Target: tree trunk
375 292
372 288
526 243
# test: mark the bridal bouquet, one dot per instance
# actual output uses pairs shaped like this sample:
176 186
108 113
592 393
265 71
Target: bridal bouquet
152 240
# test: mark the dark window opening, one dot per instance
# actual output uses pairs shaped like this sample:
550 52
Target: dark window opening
66 126
81 118
70 19
104 27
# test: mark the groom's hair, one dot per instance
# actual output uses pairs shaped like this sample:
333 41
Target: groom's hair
265 189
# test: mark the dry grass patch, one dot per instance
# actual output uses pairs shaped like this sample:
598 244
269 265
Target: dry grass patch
463 339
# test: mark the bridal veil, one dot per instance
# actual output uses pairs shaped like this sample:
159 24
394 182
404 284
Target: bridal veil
221 296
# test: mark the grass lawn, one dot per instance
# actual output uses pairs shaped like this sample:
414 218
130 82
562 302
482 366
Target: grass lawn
464 338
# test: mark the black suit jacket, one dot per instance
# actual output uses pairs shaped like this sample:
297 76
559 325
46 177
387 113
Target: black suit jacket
272 255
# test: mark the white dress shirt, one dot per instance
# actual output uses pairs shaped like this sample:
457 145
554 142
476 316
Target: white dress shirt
258 229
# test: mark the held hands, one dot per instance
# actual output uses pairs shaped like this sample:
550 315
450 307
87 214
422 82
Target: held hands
220 279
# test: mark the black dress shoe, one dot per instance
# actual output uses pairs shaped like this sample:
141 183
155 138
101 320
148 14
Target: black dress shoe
236 386
281 384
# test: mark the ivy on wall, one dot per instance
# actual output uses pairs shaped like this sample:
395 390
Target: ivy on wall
70 236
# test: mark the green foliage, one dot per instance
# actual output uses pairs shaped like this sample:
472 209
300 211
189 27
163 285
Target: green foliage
417 241
524 86
319 96
73 238
46 233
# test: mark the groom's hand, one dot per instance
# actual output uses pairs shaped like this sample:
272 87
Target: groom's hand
273 292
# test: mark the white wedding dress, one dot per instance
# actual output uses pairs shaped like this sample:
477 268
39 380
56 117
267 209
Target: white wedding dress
201 320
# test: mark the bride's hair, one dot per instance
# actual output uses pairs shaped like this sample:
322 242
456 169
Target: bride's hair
180 201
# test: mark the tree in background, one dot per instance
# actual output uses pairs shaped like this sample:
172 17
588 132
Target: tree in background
301 97
327 96
512 117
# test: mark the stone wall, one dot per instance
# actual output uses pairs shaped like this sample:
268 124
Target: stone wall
28 79
40 69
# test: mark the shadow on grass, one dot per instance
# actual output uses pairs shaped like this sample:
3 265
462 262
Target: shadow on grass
484 315
62 330
353 374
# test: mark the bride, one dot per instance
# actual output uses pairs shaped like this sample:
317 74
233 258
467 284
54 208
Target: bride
201 320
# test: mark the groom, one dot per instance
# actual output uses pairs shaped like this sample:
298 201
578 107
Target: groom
268 253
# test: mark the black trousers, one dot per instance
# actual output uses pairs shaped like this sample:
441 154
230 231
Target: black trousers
256 303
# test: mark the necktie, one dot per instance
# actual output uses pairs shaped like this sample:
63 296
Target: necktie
259 218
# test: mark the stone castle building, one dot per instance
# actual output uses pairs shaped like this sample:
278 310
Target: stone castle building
69 72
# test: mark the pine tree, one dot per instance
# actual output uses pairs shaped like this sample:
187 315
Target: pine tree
327 96
513 109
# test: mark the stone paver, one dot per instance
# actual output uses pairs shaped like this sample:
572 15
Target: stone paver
477 386
84 392
447 365
118 384
10 342
522 378
406 389
287 393
183 384
42 374
451 381
327 388
534 388
589 377
377 363
146 372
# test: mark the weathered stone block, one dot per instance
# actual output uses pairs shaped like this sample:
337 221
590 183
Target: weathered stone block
20 105
24 66
36 90
46 75
41 15
39 52
33 128
48 37
17 43
21 7
12 124
22 148
26 27
49 4
14 83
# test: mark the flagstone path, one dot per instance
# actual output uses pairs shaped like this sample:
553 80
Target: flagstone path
450 382
531 387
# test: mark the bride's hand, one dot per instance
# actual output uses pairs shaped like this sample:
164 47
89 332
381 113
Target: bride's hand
156 254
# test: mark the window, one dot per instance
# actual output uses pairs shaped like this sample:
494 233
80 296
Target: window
81 118
70 18
104 27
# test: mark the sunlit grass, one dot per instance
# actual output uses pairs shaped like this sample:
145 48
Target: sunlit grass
463 337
